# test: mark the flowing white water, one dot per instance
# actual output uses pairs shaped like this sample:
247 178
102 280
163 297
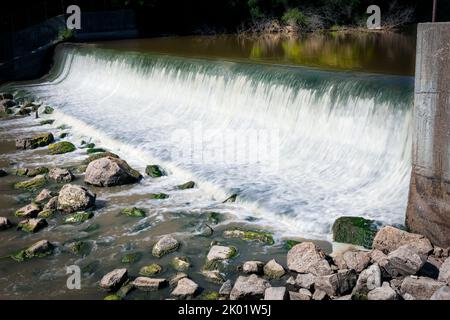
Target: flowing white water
301 147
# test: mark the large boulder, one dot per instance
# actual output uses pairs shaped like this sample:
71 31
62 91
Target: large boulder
33 142
39 249
353 259
337 283
441 294
385 292
148 284
220 253
29 211
354 230
420 288
273 270
444 271
404 261
73 198
185 288
389 239
32 225
305 281
114 279
307 258
368 280
109 171
250 267
249 288
276 293
61 147
60 175
165 245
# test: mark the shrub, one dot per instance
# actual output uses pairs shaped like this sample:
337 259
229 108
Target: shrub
294 17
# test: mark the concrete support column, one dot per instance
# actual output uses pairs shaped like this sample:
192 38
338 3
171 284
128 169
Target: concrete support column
428 210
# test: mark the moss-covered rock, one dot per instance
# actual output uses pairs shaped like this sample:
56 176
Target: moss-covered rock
187 185
63 135
125 289
32 184
86 145
113 297
40 249
95 150
289 244
250 235
79 248
97 156
48 110
61 147
180 263
210 295
354 230
150 270
78 217
37 171
32 225
134 212
131 258
40 140
158 196
154 171
213 217
46 122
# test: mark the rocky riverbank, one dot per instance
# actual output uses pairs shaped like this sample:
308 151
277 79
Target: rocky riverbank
384 264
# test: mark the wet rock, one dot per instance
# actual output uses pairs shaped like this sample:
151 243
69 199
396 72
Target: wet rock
385 292
165 245
338 283
352 259
305 281
187 185
220 253
95 150
112 297
33 172
389 239
61 147
32 225
40 249
74 198
29 211
404 261
46 122
226 288
131 258
441 294
60 175
368 280
154 171
48 110
149 284
181 263
274 270
302 294
307 258
6 96
101 155
444 272
79 248
4 223
109 171
319 295
32 184
354 230
3 173
210 295
44 196
40 140
276 293
420 288
114 279
253 267
174 280
231 199
150 270
249 288
213 276
250 235
52 204
134 212
46 214
78 217
185 288
158 196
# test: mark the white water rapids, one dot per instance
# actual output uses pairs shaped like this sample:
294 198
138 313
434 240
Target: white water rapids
300 147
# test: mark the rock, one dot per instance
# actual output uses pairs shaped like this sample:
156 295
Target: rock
32 225
389 239
36 171
213 276
441 294
253 267
302 294
210 295
307 258
95 150
420 288
220 253
101 155
78 217
112 297
231 199
274 270
158 196
150 270
250 235
319 295
43 196
346 297
60 175
444 271
187 185
154 171
385 292
46 214
114 279
4 223
61 147
226 288
338 283
131 258
368 280
185 288
40 249
134 212
148 284
79 248
3 173
174 280
46 122
276 293
404 261
40 140
352 259
6 96
354 230
249 288
48 110
165 245
305 281
32 184
29 211
180 263
52 204
74 198
109 171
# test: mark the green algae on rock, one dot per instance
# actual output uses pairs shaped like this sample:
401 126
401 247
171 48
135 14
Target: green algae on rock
32 184
131 258
180 263
187 185
48 110
134 212
95 150
250 235
46 122
40 249
158 196
354 230
150 270
97 156
61 147
78 217
154 171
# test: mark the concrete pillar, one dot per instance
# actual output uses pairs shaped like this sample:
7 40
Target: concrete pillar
428 210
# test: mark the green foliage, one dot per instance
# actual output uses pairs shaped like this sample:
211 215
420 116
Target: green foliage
294 17
66 34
